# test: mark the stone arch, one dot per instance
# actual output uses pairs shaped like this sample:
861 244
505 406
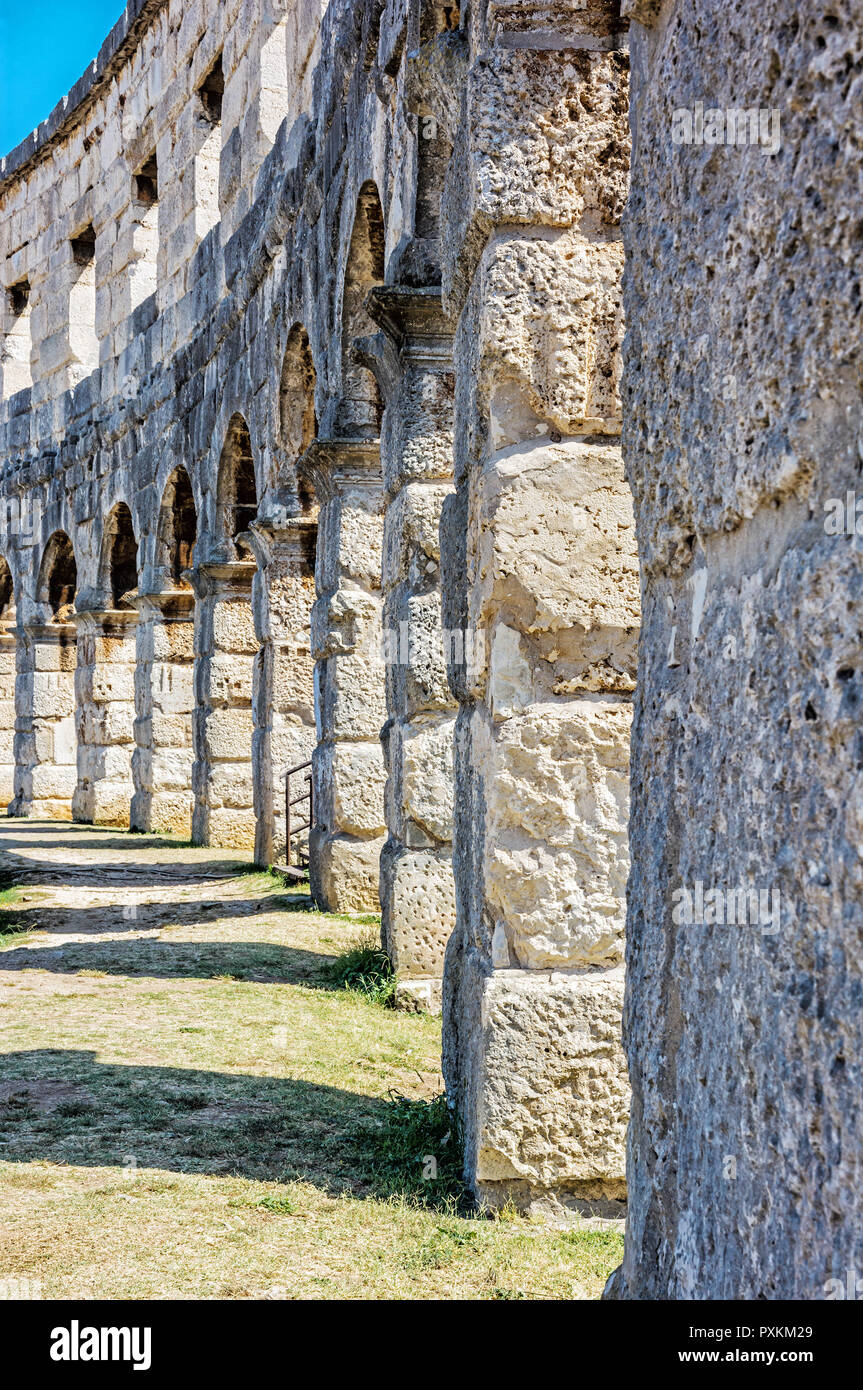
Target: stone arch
119 564
177 528
7 593
58 577
361 406
298 422
236 490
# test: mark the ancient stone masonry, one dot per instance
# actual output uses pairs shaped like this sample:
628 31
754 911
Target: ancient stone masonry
308 430
540 572
743 432
417 888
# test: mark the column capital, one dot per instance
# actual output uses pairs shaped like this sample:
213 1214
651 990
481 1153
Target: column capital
223 577
333 464
413 318
172 604
102 619
40 631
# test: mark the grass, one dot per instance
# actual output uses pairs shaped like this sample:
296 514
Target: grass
220 1104
364 968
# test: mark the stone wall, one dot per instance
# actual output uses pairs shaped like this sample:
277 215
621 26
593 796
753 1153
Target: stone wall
742 421
540 574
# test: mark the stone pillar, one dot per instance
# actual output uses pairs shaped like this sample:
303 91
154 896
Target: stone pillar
283 592
744 422
105 716
46 763
225 653
349 773
416 885
164 705
7 715
539 569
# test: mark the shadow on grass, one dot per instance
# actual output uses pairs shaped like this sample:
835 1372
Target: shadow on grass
66 1107
258 961
22 916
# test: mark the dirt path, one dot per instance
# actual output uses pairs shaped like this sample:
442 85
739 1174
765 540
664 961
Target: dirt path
190 1108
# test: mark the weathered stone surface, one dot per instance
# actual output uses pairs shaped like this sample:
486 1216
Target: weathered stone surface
545 1079
744 1044
539 566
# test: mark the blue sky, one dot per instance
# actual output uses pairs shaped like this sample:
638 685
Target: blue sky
45 45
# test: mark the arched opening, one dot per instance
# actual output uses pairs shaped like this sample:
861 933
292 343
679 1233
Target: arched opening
7 594
58 577
361 409
298 423
47 747
178 528
7 684
120 557
237 492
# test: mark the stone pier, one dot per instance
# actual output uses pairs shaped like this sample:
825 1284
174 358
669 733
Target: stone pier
283 591
743 430
105 715
46 762
347 645
164 705
540 571
417 889
7 713
226 649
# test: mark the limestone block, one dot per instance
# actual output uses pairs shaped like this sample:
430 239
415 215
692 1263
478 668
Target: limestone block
293 679
426 753
51 781
232 828
576 595
548 1097
358 778
424 437
171 730
65 741
565 157
169 769
343 621
110 803
555 784
110 650
230 678
234 627
352 697
291 743
171 687
229 734
418 891
170 813
412 529
230 785
345 873
113 683
350 537
7 783
173 642
52 694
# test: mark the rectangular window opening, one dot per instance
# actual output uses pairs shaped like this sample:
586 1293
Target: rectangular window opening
17 340
146 182
211 92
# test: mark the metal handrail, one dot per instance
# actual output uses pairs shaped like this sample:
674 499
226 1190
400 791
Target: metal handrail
308 795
